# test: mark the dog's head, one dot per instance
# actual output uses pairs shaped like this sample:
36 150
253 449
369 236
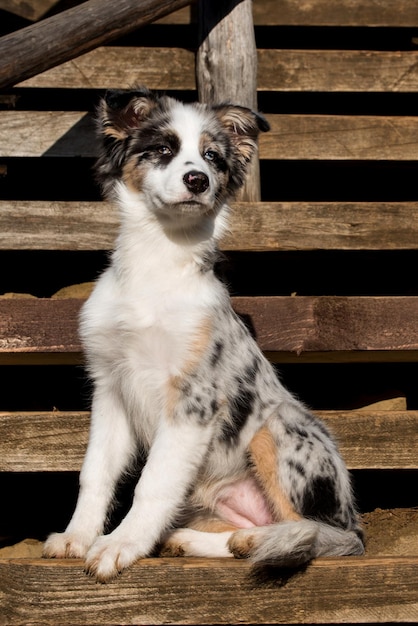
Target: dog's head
186 159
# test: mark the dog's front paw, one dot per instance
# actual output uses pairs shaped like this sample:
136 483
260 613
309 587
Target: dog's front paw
67 545
109 556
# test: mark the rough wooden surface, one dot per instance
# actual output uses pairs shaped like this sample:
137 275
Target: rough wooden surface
282 70
210 591
292 137
324 13
120 68
40 225
56 441
316 325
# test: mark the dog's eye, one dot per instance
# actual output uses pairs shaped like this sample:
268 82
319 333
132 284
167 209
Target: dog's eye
164 150
211 155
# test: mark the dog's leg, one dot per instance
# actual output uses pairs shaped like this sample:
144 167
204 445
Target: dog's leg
189 542
175 455
108 454
205 536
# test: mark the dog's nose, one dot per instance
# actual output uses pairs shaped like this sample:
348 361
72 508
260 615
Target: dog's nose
195 181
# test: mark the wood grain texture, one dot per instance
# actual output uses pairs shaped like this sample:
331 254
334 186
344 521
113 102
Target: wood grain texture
292 137
264 226
285 324
281 70
324 13
345 137
210 591
336 13
56 441
121 68
337 71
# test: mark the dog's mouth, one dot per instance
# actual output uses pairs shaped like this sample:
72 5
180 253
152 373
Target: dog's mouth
192 208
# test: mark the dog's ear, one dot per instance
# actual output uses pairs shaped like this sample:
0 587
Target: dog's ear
243 126
121 111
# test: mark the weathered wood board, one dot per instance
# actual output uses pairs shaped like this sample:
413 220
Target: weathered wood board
56 441
210 591
264 226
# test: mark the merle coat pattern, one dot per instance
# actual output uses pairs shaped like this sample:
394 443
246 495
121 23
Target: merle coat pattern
235 464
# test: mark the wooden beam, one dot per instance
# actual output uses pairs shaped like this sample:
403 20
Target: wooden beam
226 65
290 325
256 227
56 441
292 137
211 591
68 34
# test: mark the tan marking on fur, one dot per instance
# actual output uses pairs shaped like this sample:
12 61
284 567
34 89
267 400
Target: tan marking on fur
263 453
133 175
210 524
114 132
197 348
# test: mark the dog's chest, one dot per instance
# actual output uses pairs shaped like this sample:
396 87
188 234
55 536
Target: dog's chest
149 328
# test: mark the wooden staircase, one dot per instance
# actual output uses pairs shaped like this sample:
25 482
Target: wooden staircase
323 269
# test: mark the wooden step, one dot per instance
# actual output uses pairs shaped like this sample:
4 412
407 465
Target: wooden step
255 227
210 591
292 137
56 441
325 71
322 13
294 328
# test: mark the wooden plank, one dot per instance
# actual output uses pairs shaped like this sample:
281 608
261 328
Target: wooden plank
210 591
281 70
345 137
324 13
56 441
120 68
286 324
73 32
49 442
264 226
292 137
337 71
391 13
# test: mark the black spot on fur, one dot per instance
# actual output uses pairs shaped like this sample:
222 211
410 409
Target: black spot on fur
155 145
241 407
216 354
294 465
320 500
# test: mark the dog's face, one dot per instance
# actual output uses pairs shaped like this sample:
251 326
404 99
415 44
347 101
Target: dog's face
186 159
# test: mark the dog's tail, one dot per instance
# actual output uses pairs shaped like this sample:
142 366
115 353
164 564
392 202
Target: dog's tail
293 543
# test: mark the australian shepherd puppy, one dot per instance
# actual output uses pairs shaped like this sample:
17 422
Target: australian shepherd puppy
234 464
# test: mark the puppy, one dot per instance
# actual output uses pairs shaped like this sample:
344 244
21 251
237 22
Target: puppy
235 465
